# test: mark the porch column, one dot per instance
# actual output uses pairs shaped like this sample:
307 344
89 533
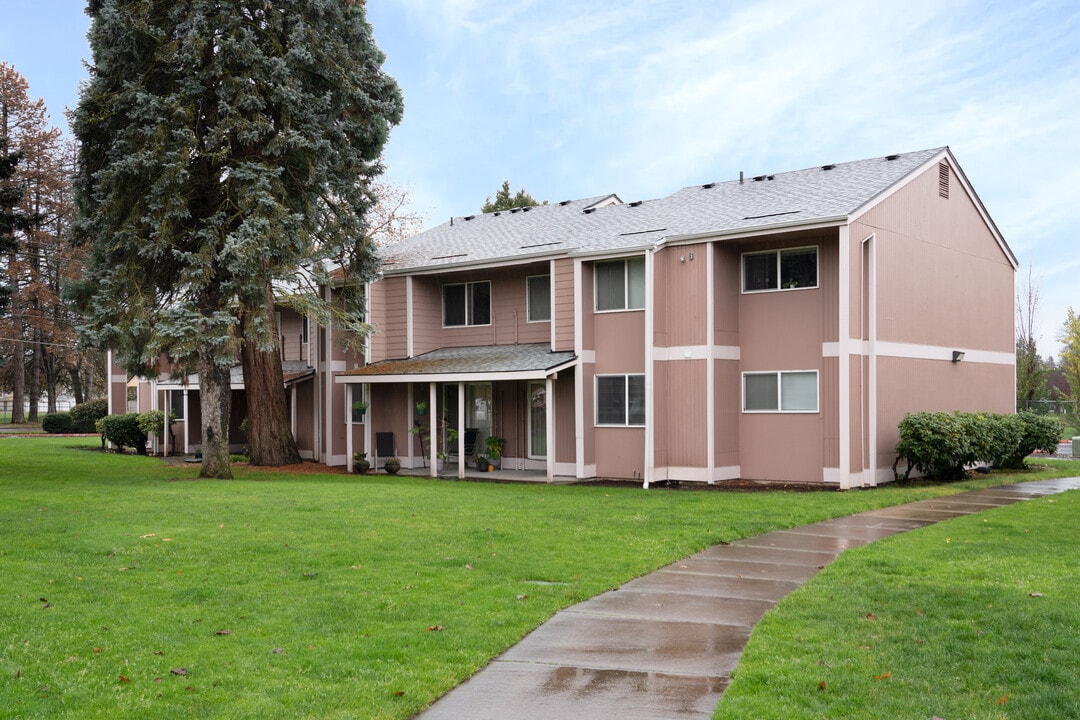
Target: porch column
187 423
549 426
349 400
461 430
433 440
165 425
368 445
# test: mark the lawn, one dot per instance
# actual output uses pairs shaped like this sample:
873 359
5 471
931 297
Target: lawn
972 618
133 590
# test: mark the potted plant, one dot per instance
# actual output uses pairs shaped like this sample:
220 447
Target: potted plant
421 407
481 462
360 462
392 465
360 407
494 446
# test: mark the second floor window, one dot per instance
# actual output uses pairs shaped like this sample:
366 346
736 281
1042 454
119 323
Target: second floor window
467 304
780 270
539 291
620 284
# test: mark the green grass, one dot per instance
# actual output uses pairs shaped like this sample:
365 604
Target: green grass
972 618
344 597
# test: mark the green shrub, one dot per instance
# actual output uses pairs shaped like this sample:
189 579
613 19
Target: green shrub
935 444
941 445
99 428
151 421
56 423
123 431
85 414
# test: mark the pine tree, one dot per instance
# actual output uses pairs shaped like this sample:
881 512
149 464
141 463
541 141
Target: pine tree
505 201
227 146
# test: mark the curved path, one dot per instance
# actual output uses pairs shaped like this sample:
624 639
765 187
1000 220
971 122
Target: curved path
663 645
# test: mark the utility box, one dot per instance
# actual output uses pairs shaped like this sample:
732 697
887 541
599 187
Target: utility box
1076 447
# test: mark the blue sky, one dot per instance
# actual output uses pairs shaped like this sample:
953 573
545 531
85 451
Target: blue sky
572 99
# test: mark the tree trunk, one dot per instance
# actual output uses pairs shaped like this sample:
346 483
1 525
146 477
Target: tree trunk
215 400
76 382
34 388
18 372
269 432
49 363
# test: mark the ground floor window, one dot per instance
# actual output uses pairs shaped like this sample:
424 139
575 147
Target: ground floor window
785 391
620 400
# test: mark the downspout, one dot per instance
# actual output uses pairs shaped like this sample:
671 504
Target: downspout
409 315
650 430
165 425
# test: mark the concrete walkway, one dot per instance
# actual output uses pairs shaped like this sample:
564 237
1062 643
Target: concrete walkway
663 645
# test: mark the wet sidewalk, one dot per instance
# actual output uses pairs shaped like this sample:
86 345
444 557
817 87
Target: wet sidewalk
663 645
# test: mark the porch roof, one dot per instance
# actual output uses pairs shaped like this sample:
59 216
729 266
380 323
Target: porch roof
533 361
294 371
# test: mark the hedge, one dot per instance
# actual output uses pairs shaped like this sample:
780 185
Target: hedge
941 445
57 423
123 431
84 415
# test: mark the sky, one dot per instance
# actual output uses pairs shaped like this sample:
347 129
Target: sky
578 98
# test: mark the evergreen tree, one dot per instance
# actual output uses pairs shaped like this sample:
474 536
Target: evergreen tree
505 201
227 146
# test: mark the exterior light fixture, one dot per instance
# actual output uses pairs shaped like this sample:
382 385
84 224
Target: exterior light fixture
957 355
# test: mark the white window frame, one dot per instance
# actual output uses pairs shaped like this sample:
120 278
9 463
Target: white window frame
626 285
779 252
528 298
626 399
780 391
467 303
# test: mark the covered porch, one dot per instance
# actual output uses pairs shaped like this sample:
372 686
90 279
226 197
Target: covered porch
450 409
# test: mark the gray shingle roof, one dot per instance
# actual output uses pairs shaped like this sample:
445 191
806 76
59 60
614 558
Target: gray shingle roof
571 228
531 358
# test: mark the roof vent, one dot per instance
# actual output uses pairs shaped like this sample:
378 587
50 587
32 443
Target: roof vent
635 203
469 217
564 202
890 158
588 210
497 213
943 180
759 178
772 177
526 209
706 186
827 167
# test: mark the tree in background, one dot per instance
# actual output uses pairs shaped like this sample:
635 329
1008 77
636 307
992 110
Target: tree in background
1031 371
227 148
24 126
1070 355
505 201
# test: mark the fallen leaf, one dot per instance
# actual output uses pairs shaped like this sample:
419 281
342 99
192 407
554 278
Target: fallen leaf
399 693
436 628
821 685
948 540
148 535
124 679
522 597
918 611
278 651
178 671
883 676
468 566
1030 594
97 650
1002 700
157 679
871 616
225 631
166 539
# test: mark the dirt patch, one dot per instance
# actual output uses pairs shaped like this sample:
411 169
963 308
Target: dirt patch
304 468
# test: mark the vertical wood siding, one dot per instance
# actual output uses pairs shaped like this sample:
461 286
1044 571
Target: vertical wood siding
562 305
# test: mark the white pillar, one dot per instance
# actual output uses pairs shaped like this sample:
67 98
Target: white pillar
461 430
549 426
433 440
349 400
